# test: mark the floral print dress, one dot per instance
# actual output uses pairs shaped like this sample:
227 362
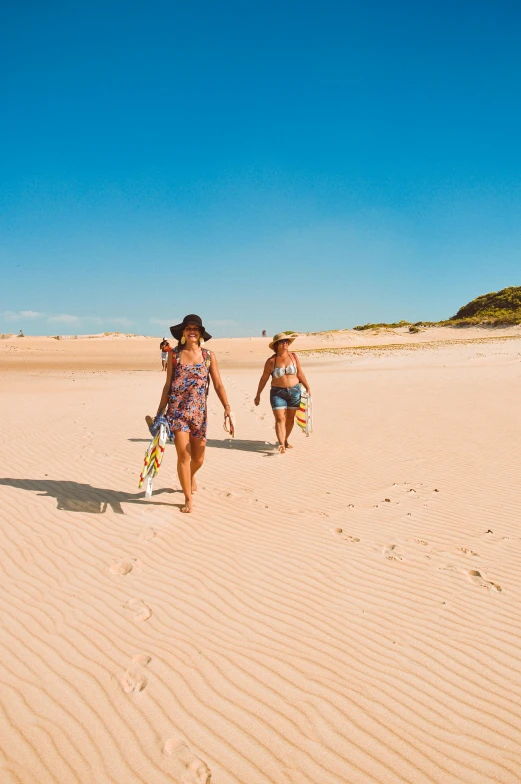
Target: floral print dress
186 409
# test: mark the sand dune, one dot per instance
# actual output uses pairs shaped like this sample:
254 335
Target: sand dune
346 613
113 352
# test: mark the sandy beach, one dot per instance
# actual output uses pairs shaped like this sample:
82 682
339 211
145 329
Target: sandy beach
346 613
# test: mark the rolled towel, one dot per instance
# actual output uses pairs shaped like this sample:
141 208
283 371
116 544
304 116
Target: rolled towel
155 424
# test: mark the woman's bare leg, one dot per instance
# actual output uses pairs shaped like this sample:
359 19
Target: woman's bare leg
182 445
197 450
290 421
280 427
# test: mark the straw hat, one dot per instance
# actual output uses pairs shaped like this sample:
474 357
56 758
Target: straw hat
281 336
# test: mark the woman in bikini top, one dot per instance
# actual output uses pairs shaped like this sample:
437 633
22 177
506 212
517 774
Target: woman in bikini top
286 370
285 386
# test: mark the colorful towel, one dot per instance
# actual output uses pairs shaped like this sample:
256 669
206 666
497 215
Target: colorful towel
154 458
159 419
304 416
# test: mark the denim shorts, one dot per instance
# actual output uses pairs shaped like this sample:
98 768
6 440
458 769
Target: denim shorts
285 397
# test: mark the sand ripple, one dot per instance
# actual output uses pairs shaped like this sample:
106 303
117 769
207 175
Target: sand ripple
348 612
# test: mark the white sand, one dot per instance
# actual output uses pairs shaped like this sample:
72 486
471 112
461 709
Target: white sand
297 628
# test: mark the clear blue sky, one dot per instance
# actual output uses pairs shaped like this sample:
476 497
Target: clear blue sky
269 165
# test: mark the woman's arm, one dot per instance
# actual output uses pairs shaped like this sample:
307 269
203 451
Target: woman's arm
300 375
218 384
166 389
266 373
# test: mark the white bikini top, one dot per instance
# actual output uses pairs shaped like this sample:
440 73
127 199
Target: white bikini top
289 370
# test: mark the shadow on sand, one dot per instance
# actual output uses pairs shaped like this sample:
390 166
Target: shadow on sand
243 445
77 497
237 444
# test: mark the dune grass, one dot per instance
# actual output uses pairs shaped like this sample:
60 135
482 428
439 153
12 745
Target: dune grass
495 309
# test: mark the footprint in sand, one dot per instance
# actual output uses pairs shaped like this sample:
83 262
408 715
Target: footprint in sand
134 679
390 553
467 551
477 578
132 682
147 534
189 769
125 566
142 611
344 536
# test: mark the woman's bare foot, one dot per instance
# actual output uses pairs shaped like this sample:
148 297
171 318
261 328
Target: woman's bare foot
194 485
288 445
187 506
150 421
281 448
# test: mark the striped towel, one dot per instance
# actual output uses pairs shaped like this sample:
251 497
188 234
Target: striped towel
304 416
154 458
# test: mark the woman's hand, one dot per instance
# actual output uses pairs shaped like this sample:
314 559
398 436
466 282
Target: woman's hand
266 373
229 421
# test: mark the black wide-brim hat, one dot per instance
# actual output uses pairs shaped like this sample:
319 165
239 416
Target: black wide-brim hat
177 330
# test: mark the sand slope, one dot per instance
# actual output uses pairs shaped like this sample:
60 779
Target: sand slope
118 352
348 612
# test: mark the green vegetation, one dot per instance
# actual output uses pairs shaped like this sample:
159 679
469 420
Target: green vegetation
396 324
382 325
497 309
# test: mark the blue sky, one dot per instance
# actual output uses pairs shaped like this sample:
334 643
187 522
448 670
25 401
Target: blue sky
268 165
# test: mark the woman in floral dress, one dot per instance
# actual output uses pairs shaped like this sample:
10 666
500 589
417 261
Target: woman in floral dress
190 368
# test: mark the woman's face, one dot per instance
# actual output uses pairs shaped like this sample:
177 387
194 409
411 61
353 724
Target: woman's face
192 332
282 346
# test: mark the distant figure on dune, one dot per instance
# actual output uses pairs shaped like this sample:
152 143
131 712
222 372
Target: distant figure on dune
20 334
164 347
190 367
263 333
286 377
